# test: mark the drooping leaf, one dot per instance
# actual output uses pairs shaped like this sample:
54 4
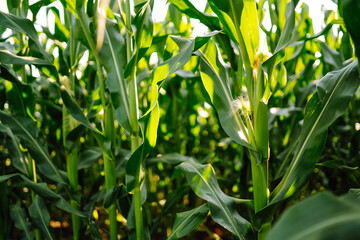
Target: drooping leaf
41 217
331 56
330 101
186 222
216 82
26 130
170 66
9 58
8 75
43 191
76 112
17 157
203 181
188 8
23 25
322 216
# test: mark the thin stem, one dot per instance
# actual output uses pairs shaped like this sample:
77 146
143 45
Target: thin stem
133 105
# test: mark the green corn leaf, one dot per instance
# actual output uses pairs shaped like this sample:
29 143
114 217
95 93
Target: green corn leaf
8 75
9 58
170 66
112 195
160 73
144 26
143 36
69 5
188 8
24 25
203 181
26 130
17 156
331 56
113 55
41 218
288 35
77 114
210 21
322 216
349 9
186 222
171 158
239 19
150 137
18 215
87 157
216 82
43 191
330 101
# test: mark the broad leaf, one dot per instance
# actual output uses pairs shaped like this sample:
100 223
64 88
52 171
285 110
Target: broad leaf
216 82
186 222
40 216
323 216
113 55
203 181
26 130
76 112
24 25
43 191
333 95
7 57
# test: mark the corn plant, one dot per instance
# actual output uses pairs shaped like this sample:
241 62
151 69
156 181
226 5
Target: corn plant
116 126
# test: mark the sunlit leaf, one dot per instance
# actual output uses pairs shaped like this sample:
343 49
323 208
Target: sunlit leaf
203 181
216 82
330 101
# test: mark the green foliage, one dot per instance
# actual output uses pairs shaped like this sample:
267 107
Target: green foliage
115 125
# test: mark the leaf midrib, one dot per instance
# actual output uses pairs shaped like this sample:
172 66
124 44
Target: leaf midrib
227 97
23 223
184 221
232 221
123 92
326 223
38 147
316 122
43 221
